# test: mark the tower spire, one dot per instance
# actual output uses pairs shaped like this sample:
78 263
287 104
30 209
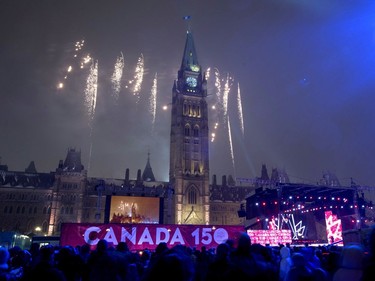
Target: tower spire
148 175
189 57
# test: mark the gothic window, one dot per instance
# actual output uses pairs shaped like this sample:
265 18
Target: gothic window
44 210
185 109
187 130
30 210
196 131
71 210
5 209
198 111
192 196
18 210
35 209
49 210
62 210
10 209
44 226
23 210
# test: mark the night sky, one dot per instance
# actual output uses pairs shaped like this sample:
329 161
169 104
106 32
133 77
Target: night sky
304 68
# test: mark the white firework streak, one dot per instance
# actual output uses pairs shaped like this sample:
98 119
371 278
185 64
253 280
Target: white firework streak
218 87
153 95
138 78
91 91
227 86
231 145
240 115
116 76
207 73
90 100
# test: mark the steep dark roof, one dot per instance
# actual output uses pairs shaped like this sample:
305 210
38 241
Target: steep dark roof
148 175
190 55
31 168
72 161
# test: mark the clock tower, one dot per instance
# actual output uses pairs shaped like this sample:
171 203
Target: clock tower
189 159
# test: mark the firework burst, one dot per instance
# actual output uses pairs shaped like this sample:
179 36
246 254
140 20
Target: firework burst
69 69
90 100
153 96
239 107
116 76
138 78
231 145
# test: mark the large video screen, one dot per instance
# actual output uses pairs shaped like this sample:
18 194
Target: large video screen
133 209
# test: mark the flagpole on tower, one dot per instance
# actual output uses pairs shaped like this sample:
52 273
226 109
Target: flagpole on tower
187 19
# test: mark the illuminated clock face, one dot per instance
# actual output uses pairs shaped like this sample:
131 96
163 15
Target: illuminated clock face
191 81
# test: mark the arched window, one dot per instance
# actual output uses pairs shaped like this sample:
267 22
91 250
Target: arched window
49 210
196 131
44 226
192 196
62 210
35 210
187 130
5 209
23 210
71 210
44 210
18 210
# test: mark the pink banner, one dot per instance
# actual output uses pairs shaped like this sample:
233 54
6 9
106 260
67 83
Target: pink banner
142 236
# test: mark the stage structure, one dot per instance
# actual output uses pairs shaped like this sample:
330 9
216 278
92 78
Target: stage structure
313 213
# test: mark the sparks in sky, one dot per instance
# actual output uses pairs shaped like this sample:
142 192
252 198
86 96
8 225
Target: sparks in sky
91 92
227 86
218 86
138 77
116 76
239 106
78 47
153 95
231 146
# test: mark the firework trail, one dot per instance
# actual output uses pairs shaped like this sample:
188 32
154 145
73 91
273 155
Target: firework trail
218 87
226 91
116 76
215 107
231 145
138 77
154 91
240 115
78 47
91 92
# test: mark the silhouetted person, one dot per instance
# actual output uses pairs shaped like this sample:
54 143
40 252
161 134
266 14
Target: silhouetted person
369 266
244 265
45 269
102 265
172 265
299 270
218 269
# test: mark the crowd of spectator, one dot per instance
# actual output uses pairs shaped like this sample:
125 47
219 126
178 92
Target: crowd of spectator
233 260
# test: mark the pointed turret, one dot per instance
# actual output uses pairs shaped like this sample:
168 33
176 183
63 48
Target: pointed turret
72 161
31 168
190 57
148 175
